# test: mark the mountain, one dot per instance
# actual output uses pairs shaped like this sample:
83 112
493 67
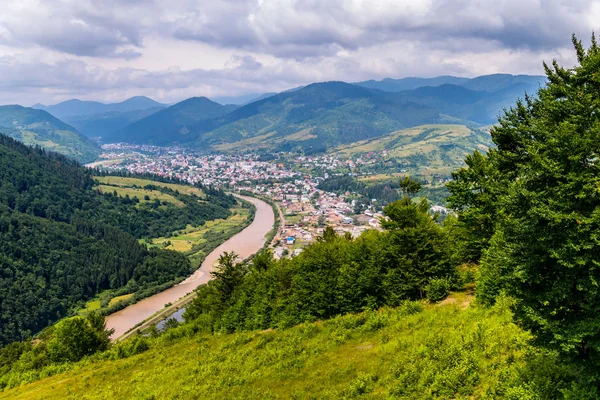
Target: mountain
315 117
105 124
496 82
77 107
399 85
170 125
37 127
482 107
479 99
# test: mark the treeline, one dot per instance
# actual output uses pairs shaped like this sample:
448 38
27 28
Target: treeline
410 260
62 242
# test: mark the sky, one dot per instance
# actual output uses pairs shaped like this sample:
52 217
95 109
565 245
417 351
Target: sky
109 50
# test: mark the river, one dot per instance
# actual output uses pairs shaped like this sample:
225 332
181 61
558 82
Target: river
245 243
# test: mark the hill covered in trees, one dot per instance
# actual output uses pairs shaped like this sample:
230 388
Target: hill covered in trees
62 241
37 127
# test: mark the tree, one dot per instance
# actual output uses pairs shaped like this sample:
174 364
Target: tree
228 274
536 198
416 250
409 186
77 337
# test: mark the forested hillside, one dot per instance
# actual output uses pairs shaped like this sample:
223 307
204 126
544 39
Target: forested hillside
62 241
37 127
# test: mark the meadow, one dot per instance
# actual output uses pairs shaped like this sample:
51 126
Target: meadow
415 351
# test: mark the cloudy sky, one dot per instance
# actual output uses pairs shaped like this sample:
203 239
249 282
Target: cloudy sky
108 50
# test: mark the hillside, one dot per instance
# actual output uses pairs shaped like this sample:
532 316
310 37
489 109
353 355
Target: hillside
64 240
426 149
316 117
461 102
106 123
170 125
37 127
77 107
439 352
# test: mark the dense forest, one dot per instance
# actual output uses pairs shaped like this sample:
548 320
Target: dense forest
62 242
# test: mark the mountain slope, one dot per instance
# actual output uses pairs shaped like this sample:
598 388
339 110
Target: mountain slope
105 124
171 124
62 240
425 150
77 107
316 117
37 127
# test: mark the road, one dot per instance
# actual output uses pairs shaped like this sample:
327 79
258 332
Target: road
245 243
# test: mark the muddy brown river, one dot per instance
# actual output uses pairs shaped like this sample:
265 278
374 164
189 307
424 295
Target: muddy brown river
245 244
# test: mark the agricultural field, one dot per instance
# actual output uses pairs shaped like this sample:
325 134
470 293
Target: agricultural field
195 241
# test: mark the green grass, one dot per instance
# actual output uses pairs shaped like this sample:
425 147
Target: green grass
92 305
129 182
441 352
141 193
117 299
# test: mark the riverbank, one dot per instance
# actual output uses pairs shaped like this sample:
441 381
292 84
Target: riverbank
245 244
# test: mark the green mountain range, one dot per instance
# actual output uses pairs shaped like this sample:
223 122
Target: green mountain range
37 127
76 107
324 115
315 117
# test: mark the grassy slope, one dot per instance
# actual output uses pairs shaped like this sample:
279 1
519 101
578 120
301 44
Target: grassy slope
427 149
129 182
445 351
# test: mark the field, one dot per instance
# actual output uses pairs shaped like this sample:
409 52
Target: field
193 240
416 351
140 194
117 299
129 182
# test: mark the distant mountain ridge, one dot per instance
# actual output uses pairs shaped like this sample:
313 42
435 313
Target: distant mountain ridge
486 83
38 127
76 107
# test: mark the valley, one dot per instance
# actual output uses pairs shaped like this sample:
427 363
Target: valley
245 243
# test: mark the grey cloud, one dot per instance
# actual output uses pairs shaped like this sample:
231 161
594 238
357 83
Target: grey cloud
83 28
314 28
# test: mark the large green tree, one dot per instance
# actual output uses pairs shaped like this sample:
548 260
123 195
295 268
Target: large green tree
532 204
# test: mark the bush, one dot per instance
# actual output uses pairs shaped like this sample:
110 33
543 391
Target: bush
438 289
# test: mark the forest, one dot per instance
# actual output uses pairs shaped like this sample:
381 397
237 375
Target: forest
62 242
498 301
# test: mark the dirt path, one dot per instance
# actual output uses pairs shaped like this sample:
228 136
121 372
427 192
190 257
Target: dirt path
245 243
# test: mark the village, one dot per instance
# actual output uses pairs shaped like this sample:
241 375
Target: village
305 210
